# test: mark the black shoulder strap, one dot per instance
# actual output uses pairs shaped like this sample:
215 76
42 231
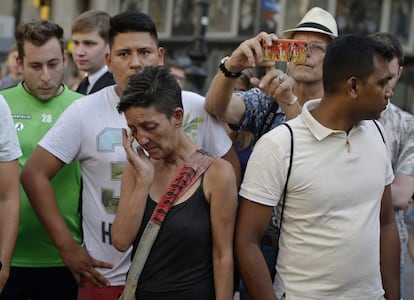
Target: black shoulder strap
379 129
268 120
284 192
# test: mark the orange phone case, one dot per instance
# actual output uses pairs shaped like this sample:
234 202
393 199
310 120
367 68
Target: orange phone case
287 50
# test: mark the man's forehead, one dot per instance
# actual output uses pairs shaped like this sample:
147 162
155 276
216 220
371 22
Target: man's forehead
136 37
87 35
50 50
382 67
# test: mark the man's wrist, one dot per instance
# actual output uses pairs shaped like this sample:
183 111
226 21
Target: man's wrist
225 71
292 101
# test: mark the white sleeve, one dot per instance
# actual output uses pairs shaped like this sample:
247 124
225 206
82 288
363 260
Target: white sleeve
63 140
209 133
9 143
266 169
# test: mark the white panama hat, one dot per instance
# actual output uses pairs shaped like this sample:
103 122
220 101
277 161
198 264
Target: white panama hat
315 20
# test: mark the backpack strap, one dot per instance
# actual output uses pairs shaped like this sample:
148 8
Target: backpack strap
379 129
191 170
284 195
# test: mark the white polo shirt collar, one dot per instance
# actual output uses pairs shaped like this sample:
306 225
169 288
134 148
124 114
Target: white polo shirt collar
319 131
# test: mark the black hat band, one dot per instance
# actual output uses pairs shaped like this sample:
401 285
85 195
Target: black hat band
314 25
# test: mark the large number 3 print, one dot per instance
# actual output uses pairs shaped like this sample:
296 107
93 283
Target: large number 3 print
107 141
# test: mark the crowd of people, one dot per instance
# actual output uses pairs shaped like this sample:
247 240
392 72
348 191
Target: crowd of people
293 184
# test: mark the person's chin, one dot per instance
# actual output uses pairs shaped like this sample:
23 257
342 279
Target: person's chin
45 95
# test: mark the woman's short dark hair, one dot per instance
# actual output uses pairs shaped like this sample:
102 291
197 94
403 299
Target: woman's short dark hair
154 86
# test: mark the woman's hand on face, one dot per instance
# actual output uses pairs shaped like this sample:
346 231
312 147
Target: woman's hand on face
143 169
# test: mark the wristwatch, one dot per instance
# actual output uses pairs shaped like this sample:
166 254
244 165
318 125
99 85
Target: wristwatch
226 72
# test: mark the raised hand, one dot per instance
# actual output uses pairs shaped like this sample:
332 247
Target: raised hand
143 170
250 53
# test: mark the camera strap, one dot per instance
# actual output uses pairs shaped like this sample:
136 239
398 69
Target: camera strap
269 119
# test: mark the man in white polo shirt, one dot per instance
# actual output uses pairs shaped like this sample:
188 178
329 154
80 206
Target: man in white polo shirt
338 238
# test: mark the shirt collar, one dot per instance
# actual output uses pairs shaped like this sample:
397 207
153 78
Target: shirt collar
94 77
317 129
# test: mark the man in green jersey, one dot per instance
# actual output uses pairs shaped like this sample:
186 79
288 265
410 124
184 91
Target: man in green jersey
37 269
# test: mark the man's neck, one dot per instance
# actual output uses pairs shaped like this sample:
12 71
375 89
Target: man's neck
119 90
97 73
332 113
308 91
58 92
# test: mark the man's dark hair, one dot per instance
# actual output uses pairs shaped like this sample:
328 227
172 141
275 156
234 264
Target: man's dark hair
392 43
92 20
38 33
351 55
154 86
131 21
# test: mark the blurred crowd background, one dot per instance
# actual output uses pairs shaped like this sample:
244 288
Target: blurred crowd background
197 33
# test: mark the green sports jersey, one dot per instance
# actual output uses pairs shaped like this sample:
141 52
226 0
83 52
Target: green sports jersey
33 118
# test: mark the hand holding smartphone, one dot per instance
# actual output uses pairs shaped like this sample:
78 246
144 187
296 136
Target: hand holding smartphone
287 50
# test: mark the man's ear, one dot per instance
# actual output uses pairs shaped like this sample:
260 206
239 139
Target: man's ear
352 86
400 70
161 54
19 61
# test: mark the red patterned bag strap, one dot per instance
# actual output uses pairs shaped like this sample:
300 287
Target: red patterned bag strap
191 170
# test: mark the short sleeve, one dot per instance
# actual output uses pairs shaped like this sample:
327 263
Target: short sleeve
9 143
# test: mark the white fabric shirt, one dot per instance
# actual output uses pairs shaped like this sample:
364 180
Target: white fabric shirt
90 131
9 143
329 245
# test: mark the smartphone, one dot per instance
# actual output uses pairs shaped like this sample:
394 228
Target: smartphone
287 50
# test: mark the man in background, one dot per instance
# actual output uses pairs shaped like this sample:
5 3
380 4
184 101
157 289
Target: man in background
14 73
177 70
90 34
399 129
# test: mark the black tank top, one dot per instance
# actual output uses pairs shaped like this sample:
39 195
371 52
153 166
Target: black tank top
180 262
